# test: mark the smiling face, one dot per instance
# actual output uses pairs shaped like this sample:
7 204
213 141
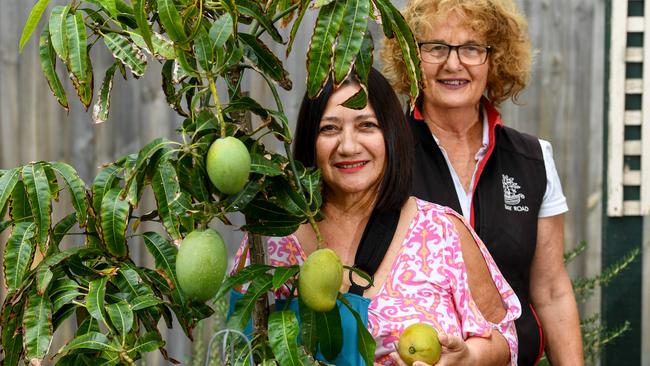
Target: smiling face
452 84
350 149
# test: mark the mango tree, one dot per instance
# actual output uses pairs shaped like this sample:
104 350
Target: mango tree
118 303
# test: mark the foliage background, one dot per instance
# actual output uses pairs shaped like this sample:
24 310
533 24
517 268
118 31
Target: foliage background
563 104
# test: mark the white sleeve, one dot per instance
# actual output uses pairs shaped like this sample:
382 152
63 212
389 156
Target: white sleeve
554 202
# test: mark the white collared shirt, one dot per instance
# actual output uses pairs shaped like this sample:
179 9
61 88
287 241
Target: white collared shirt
553 203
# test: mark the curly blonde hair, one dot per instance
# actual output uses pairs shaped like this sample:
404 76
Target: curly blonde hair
505 29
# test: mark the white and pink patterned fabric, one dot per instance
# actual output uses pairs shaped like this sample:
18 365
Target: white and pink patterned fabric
427 284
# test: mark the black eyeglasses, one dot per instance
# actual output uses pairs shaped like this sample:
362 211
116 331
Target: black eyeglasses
468 54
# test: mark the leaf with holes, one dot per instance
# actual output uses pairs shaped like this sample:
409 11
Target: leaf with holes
127 52
103 103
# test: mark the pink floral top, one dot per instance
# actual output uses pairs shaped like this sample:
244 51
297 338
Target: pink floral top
427 284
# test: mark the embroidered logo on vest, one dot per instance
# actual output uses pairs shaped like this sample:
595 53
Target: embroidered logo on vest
511 198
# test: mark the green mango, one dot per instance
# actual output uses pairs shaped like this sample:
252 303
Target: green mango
201 264
320 280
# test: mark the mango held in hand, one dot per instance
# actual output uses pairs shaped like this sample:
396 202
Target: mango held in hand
320 280
201 264
228 164
419 342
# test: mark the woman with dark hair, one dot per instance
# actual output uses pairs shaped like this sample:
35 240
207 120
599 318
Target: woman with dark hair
426 265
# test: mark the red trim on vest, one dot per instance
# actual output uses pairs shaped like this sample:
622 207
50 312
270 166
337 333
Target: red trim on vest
541 335
494 120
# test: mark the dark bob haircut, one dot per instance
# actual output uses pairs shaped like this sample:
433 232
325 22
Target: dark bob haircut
395 186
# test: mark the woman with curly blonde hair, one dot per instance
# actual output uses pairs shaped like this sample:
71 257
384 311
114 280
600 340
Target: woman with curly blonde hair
476 54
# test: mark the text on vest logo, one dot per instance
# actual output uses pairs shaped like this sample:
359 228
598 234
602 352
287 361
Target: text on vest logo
511 198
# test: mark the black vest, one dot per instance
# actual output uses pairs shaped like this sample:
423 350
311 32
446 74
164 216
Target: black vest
508 194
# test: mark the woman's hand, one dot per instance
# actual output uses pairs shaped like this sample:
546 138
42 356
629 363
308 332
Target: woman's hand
454 352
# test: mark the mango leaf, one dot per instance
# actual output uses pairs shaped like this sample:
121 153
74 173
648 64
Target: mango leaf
244 103
252 9
62 314
308 328
20 208
320 3
114 220
110 6
282 274
19 254
143 156
140 12
40 199
52 181
103 103
358 100
319 56
171 21
121 316
171 202
137 186
48 65
353 28
12 333
364 59
64 297
406 40
271 165
76 43
221 30
5 224
162 49
265 218
77 189
330 333
7 183
61 229
127 52
203 49
37 326
244 306
264 60
246 274
129 281
85 90
57 30
44 272
143 302
240 200
365 342
148 343
88 325
92 340
285 196
283 334
95 299
164 254
32 21
304 5
105 180
231 9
